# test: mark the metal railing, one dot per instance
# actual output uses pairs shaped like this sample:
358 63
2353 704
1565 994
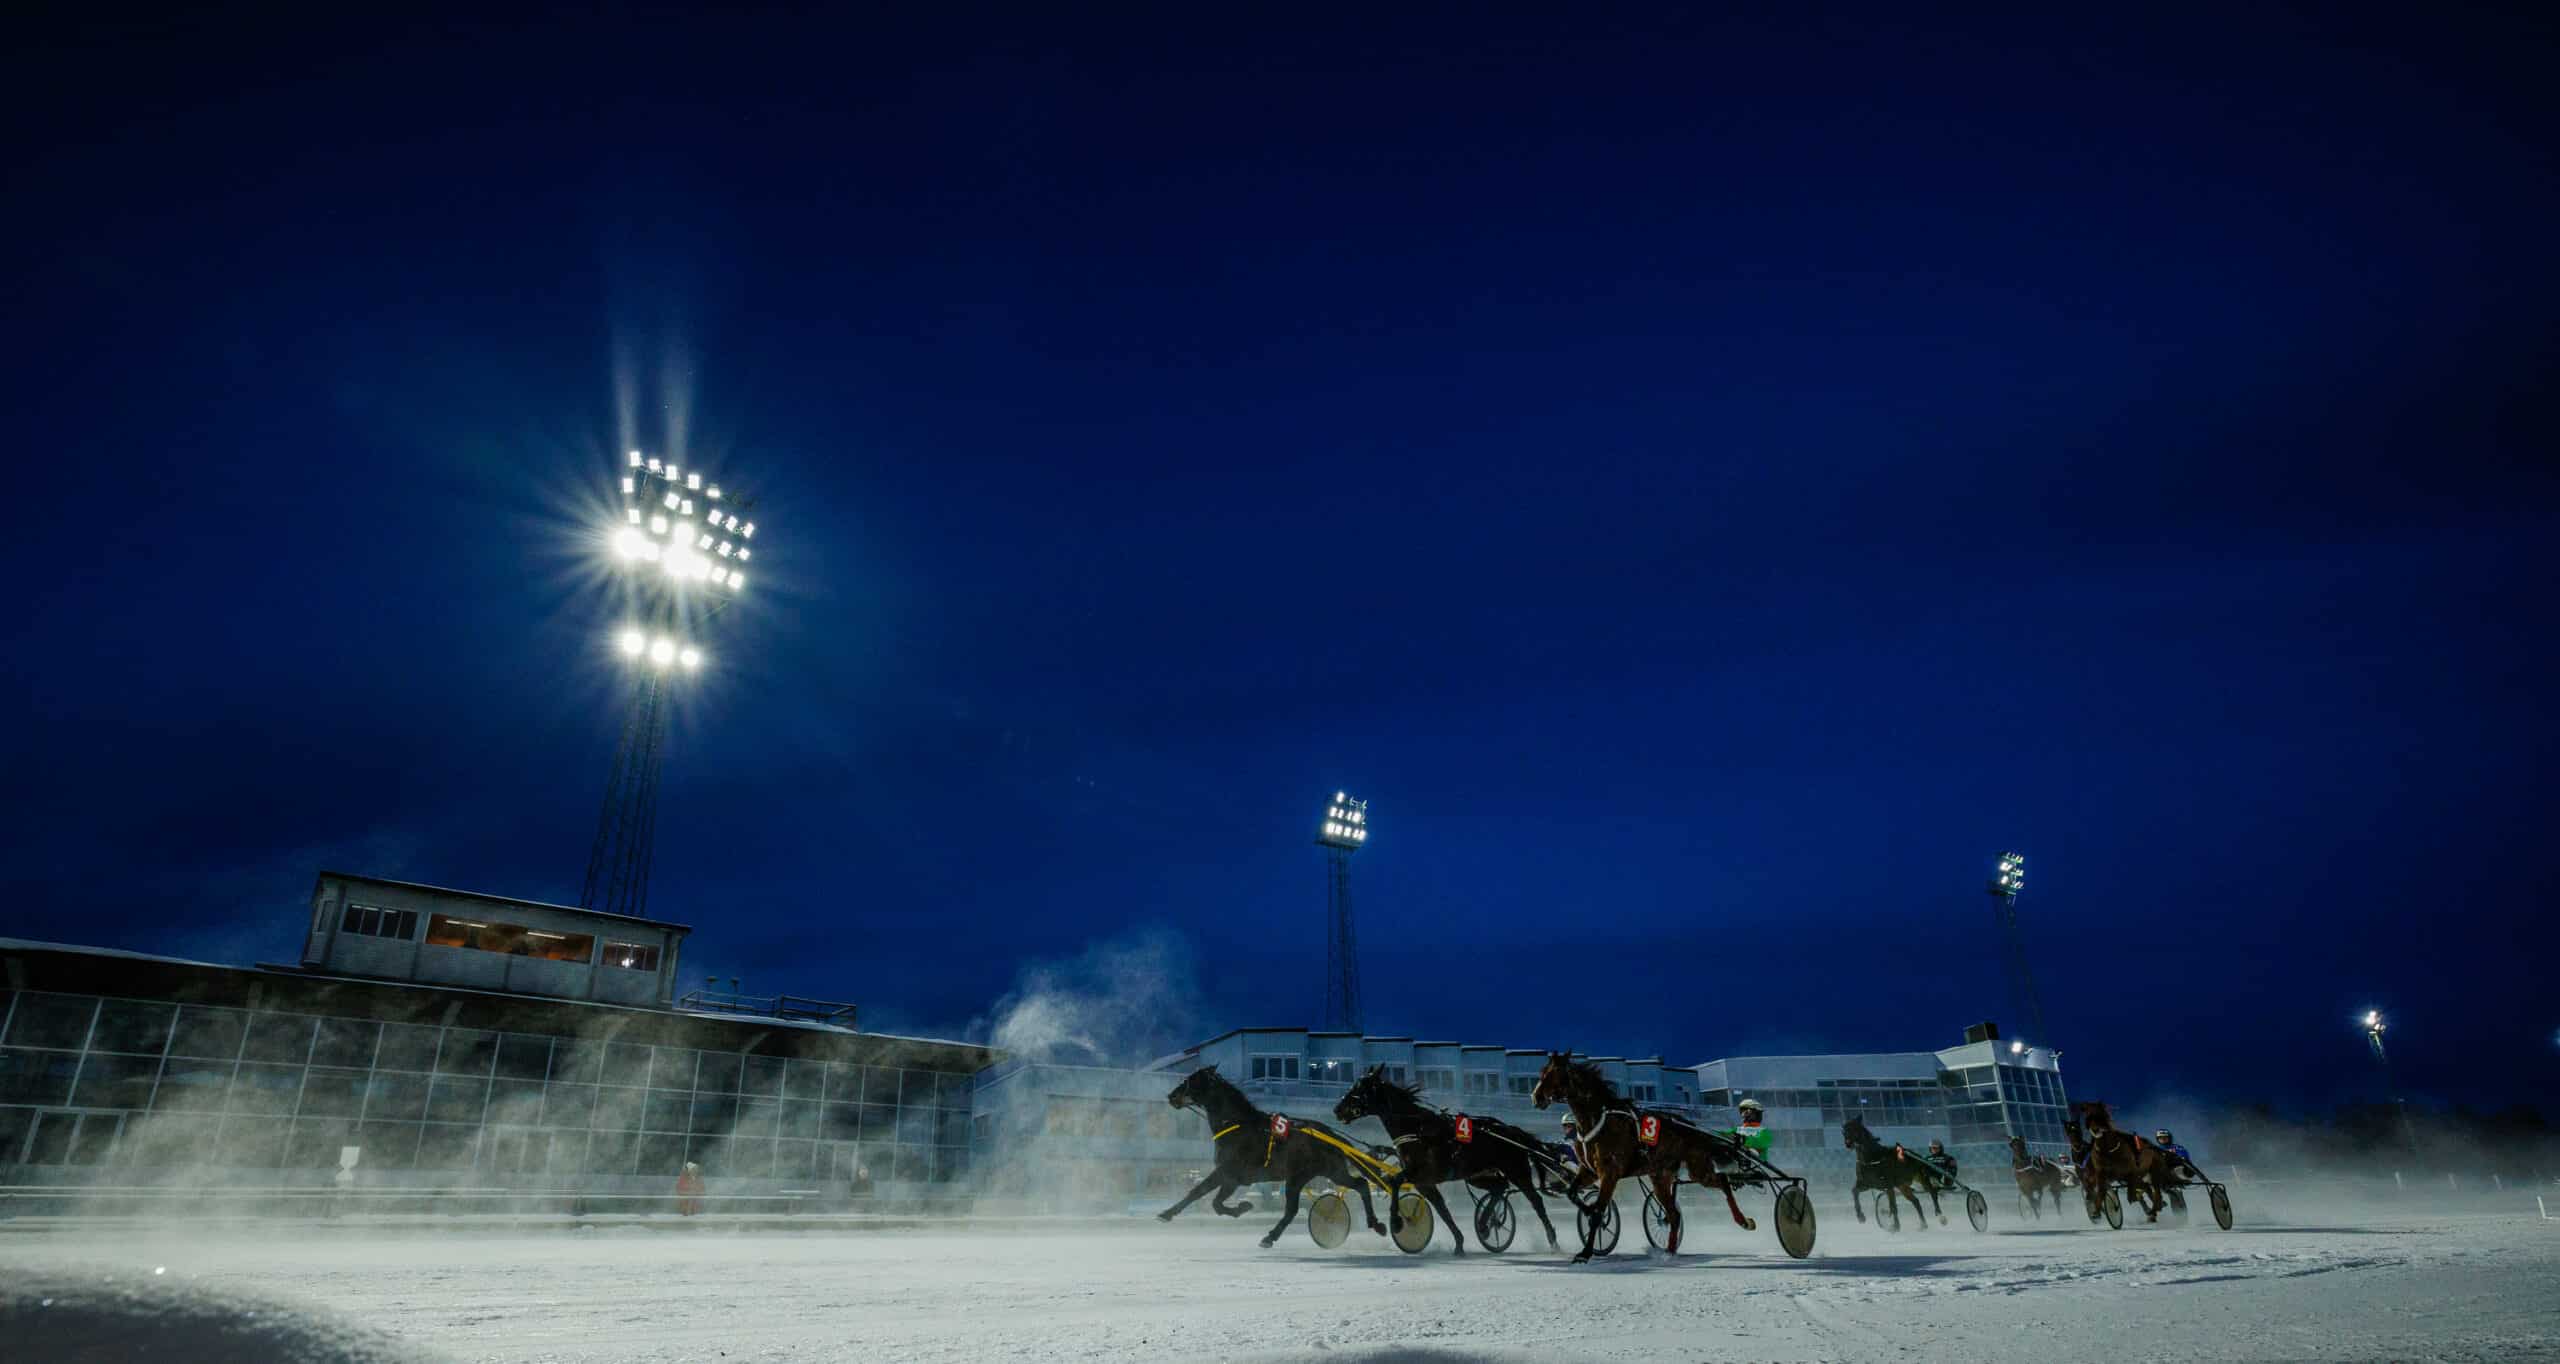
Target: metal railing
793 1007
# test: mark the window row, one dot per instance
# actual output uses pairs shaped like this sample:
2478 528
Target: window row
181 1085
41 1138
136 1027
369 921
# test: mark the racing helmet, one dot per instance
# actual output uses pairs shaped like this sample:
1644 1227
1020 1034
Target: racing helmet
1749 1106
1937 1145
1569 1124
2162 1136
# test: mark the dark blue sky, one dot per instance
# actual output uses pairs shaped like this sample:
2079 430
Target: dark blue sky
1712 483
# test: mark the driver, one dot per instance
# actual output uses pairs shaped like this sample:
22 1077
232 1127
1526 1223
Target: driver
1750 1133
2168 1144
1572 1142
1938 1156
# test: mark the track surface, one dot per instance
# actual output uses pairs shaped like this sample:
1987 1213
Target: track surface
2449 1286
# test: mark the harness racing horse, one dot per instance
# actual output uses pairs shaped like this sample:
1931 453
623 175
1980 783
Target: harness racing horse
2037 1176
1431 1151
1889 1168
1618 1141
1250 1147
2119 1157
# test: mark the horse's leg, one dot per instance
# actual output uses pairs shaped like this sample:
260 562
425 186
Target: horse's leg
1223 1208
1367 1208
1857 1187
1214 1179
1914 1196
1607 1191
1289 1210
1936 1207
1666 1191
1739 1219
1537 1205
1431 1195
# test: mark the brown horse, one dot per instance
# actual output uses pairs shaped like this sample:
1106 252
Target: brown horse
1620 1141
1890 1169
2113 1156
2037 1176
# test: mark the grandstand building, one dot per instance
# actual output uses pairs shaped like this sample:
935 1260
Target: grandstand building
447 1040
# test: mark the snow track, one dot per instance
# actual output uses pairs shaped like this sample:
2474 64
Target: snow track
2467 1286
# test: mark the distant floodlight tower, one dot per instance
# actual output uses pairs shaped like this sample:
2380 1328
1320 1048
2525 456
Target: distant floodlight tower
1344 829
680 553
2005 886
2373 1026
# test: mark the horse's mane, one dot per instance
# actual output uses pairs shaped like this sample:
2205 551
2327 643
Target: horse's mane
1411 1094
1588 1074
1221 1083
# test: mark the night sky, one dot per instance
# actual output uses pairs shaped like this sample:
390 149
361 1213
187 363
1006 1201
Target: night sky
1712 484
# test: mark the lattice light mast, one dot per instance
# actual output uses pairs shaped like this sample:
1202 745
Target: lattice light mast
2006 885
1344 829
2373 1026
681 553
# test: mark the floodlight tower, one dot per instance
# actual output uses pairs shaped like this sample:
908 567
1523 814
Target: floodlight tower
2005 887
2373 1026
682 551
1344 829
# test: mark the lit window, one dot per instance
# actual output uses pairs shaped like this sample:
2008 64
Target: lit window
632 955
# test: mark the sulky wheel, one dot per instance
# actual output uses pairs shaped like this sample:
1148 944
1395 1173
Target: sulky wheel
2221 1202
1657 1222
1794 1216
2113 1206
1329 1219
1495 1224
1888 1212
1600 1226
1413 1223
1977 1210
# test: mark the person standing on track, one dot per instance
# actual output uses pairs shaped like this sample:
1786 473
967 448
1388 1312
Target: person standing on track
689 1190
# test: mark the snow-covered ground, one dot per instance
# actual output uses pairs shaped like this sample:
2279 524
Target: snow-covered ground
2297 1284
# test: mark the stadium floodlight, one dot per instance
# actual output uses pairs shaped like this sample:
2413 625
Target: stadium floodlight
2017 1048
2012 876
662 651
631 642
689 656
1345 823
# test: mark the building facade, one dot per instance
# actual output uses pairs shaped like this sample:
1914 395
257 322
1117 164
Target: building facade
1972 1097
123 1069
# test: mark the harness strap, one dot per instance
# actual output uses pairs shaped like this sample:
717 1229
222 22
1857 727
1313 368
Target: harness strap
1223 1131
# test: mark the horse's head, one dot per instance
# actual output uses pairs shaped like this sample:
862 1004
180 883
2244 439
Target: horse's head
1854 1135
1551 1079
2095 1117
2018 1148
1368 1097
1195 1089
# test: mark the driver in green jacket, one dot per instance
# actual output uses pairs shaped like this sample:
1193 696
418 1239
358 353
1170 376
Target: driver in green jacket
1751 1134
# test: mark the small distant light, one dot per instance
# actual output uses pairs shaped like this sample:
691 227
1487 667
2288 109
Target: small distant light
631 643
631 514
657 525
672 471
749 530
725 547
630 486
712 492
688 506
670 500
2017 1048
693 481
1339 797
737 582
742 554
635 459
662 651
653 466
691 658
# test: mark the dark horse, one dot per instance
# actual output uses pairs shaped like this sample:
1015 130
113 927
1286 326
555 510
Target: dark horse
1619 1141
1249 1150
2118 1157
1890 1168
1428 1148
2037 1176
